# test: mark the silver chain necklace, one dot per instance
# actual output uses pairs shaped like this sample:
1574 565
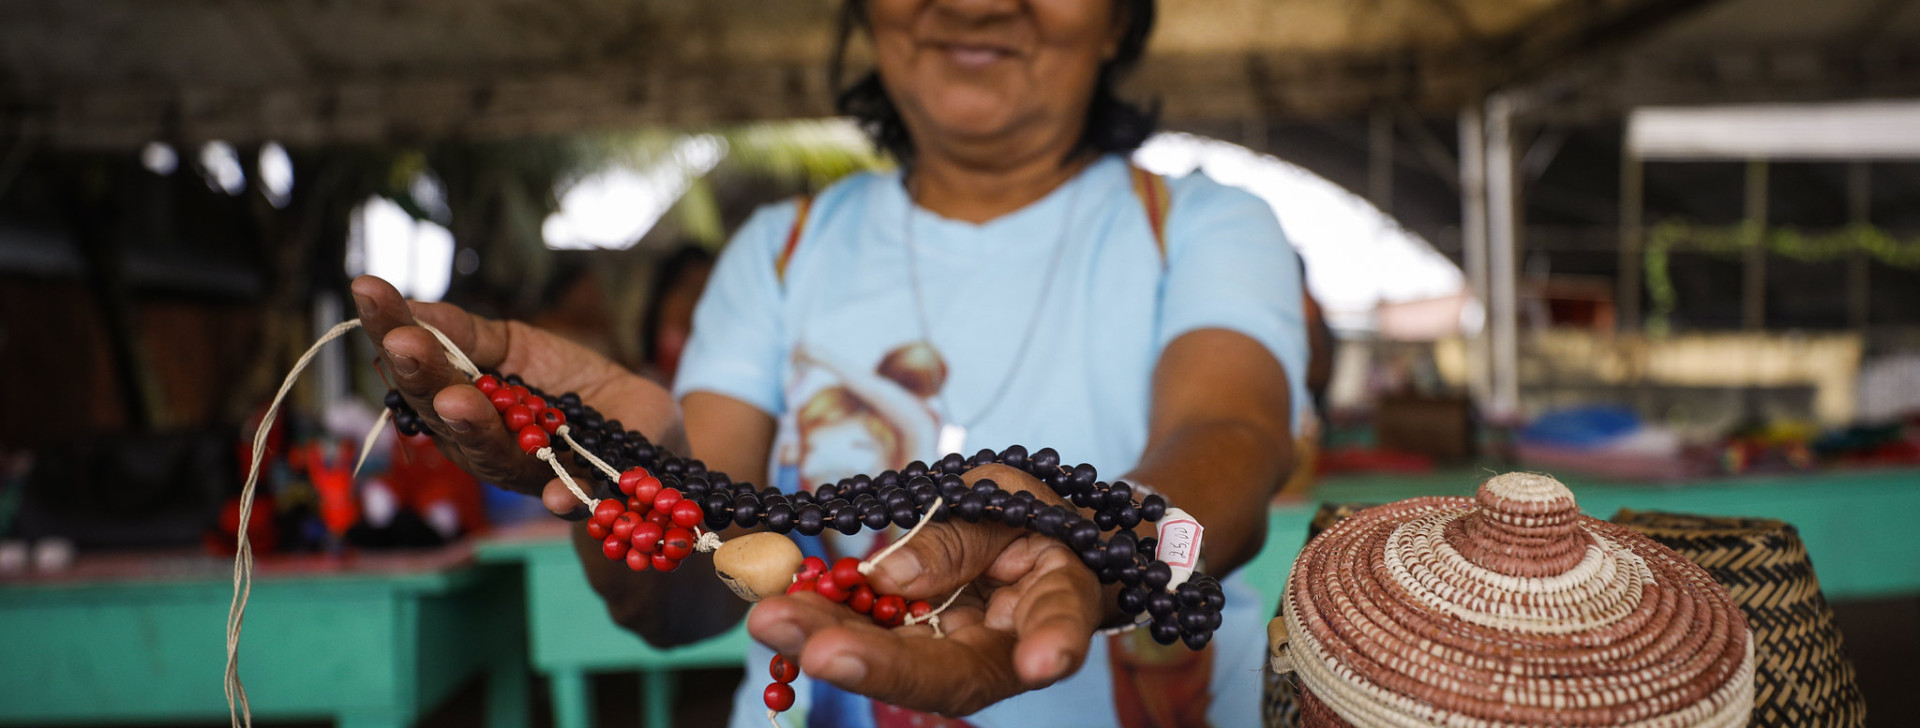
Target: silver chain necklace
953 434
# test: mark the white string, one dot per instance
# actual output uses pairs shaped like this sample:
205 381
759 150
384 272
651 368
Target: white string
707 542
546 454
238 709
933 617
773 716
866 567
564 433
366 446
454 355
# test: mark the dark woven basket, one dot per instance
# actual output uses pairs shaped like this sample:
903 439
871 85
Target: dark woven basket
1802 675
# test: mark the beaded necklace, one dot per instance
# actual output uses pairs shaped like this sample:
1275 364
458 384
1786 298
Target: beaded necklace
660 508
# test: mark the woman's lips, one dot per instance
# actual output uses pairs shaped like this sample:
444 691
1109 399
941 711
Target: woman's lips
973 56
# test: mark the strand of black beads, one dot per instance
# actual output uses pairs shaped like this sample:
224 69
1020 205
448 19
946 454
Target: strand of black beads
1189 613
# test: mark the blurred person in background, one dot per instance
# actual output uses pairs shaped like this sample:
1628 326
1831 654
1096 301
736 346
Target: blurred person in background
1028 286
667 322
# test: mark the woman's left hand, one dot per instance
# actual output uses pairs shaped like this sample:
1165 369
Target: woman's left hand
1026 620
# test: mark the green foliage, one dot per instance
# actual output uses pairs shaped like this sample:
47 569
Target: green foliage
1734 240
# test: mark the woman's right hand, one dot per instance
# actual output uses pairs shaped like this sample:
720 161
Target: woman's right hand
464 424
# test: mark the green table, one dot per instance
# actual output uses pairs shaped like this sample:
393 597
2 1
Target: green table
370 642
1856 527
571 635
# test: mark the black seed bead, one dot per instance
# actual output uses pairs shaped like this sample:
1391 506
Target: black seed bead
695 467
719 519
953 463
1193 622
809 520
1108 574
1082 534
1084 476
1197 641
746 513
589 441
1133 599
1157 575
923 499
570 398
674 466
1153 507
985 487
1104 519
940 512
1014 513
572 411
986 456
972 507
616 438
894 497
1216 599
1014 457
1213 620
1049 522
591 420
514 379
1190 595
1120 493
1149 546
1129 516
905 516
826 492
877 518
999 499
395 400
1095 557
845 485
1044 462
1164 630
780 518
693 487
799 498
1120 550
613 426
1160 603
1081 499
847 521
914 469
646 453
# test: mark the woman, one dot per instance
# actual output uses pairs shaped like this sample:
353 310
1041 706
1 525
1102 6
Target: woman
1162 344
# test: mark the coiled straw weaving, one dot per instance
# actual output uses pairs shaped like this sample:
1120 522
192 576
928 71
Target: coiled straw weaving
1509 608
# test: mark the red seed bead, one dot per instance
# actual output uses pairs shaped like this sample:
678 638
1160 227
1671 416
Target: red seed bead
615 548
687 515
801 585
831 589
550 420
641 508
862 599
622 527
487 384
812 567
846 573
665 499
779 697
517 417
678 543
660 518
887 610
502 399
519 390
597 530
646 537
919 609
638 561
783 669
647 489
532 438
534 403
630 477
607 510
663 564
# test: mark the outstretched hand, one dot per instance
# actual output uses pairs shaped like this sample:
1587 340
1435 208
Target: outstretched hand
466 426
1026 620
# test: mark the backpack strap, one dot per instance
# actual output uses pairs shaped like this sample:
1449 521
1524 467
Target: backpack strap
800 209
1157 199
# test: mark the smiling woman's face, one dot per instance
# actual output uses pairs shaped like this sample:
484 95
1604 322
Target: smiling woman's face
972 71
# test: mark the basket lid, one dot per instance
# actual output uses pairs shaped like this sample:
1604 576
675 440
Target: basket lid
1511 607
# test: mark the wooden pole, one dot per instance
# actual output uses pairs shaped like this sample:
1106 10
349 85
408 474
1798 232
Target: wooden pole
1473 241
1503 244
1753 308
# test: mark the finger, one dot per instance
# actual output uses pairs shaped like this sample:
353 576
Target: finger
382 308
484 340
941 558
420 370
956 675
475 430
560 501
784 622
1056 613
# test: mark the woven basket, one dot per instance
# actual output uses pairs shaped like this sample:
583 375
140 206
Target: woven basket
1802 675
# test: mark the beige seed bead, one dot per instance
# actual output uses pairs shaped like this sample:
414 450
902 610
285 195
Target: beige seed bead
757 565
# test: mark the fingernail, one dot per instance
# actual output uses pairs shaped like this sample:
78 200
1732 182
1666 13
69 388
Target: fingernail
456 425
407 366
785 638
903 567
845 669
365 304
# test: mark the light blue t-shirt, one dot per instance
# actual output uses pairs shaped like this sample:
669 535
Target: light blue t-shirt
827 340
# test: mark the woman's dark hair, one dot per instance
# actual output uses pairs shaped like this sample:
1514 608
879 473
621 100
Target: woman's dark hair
1113 125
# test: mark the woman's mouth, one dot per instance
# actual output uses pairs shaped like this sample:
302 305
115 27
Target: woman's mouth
973 57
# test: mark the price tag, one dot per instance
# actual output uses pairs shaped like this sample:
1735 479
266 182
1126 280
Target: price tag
1179 544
